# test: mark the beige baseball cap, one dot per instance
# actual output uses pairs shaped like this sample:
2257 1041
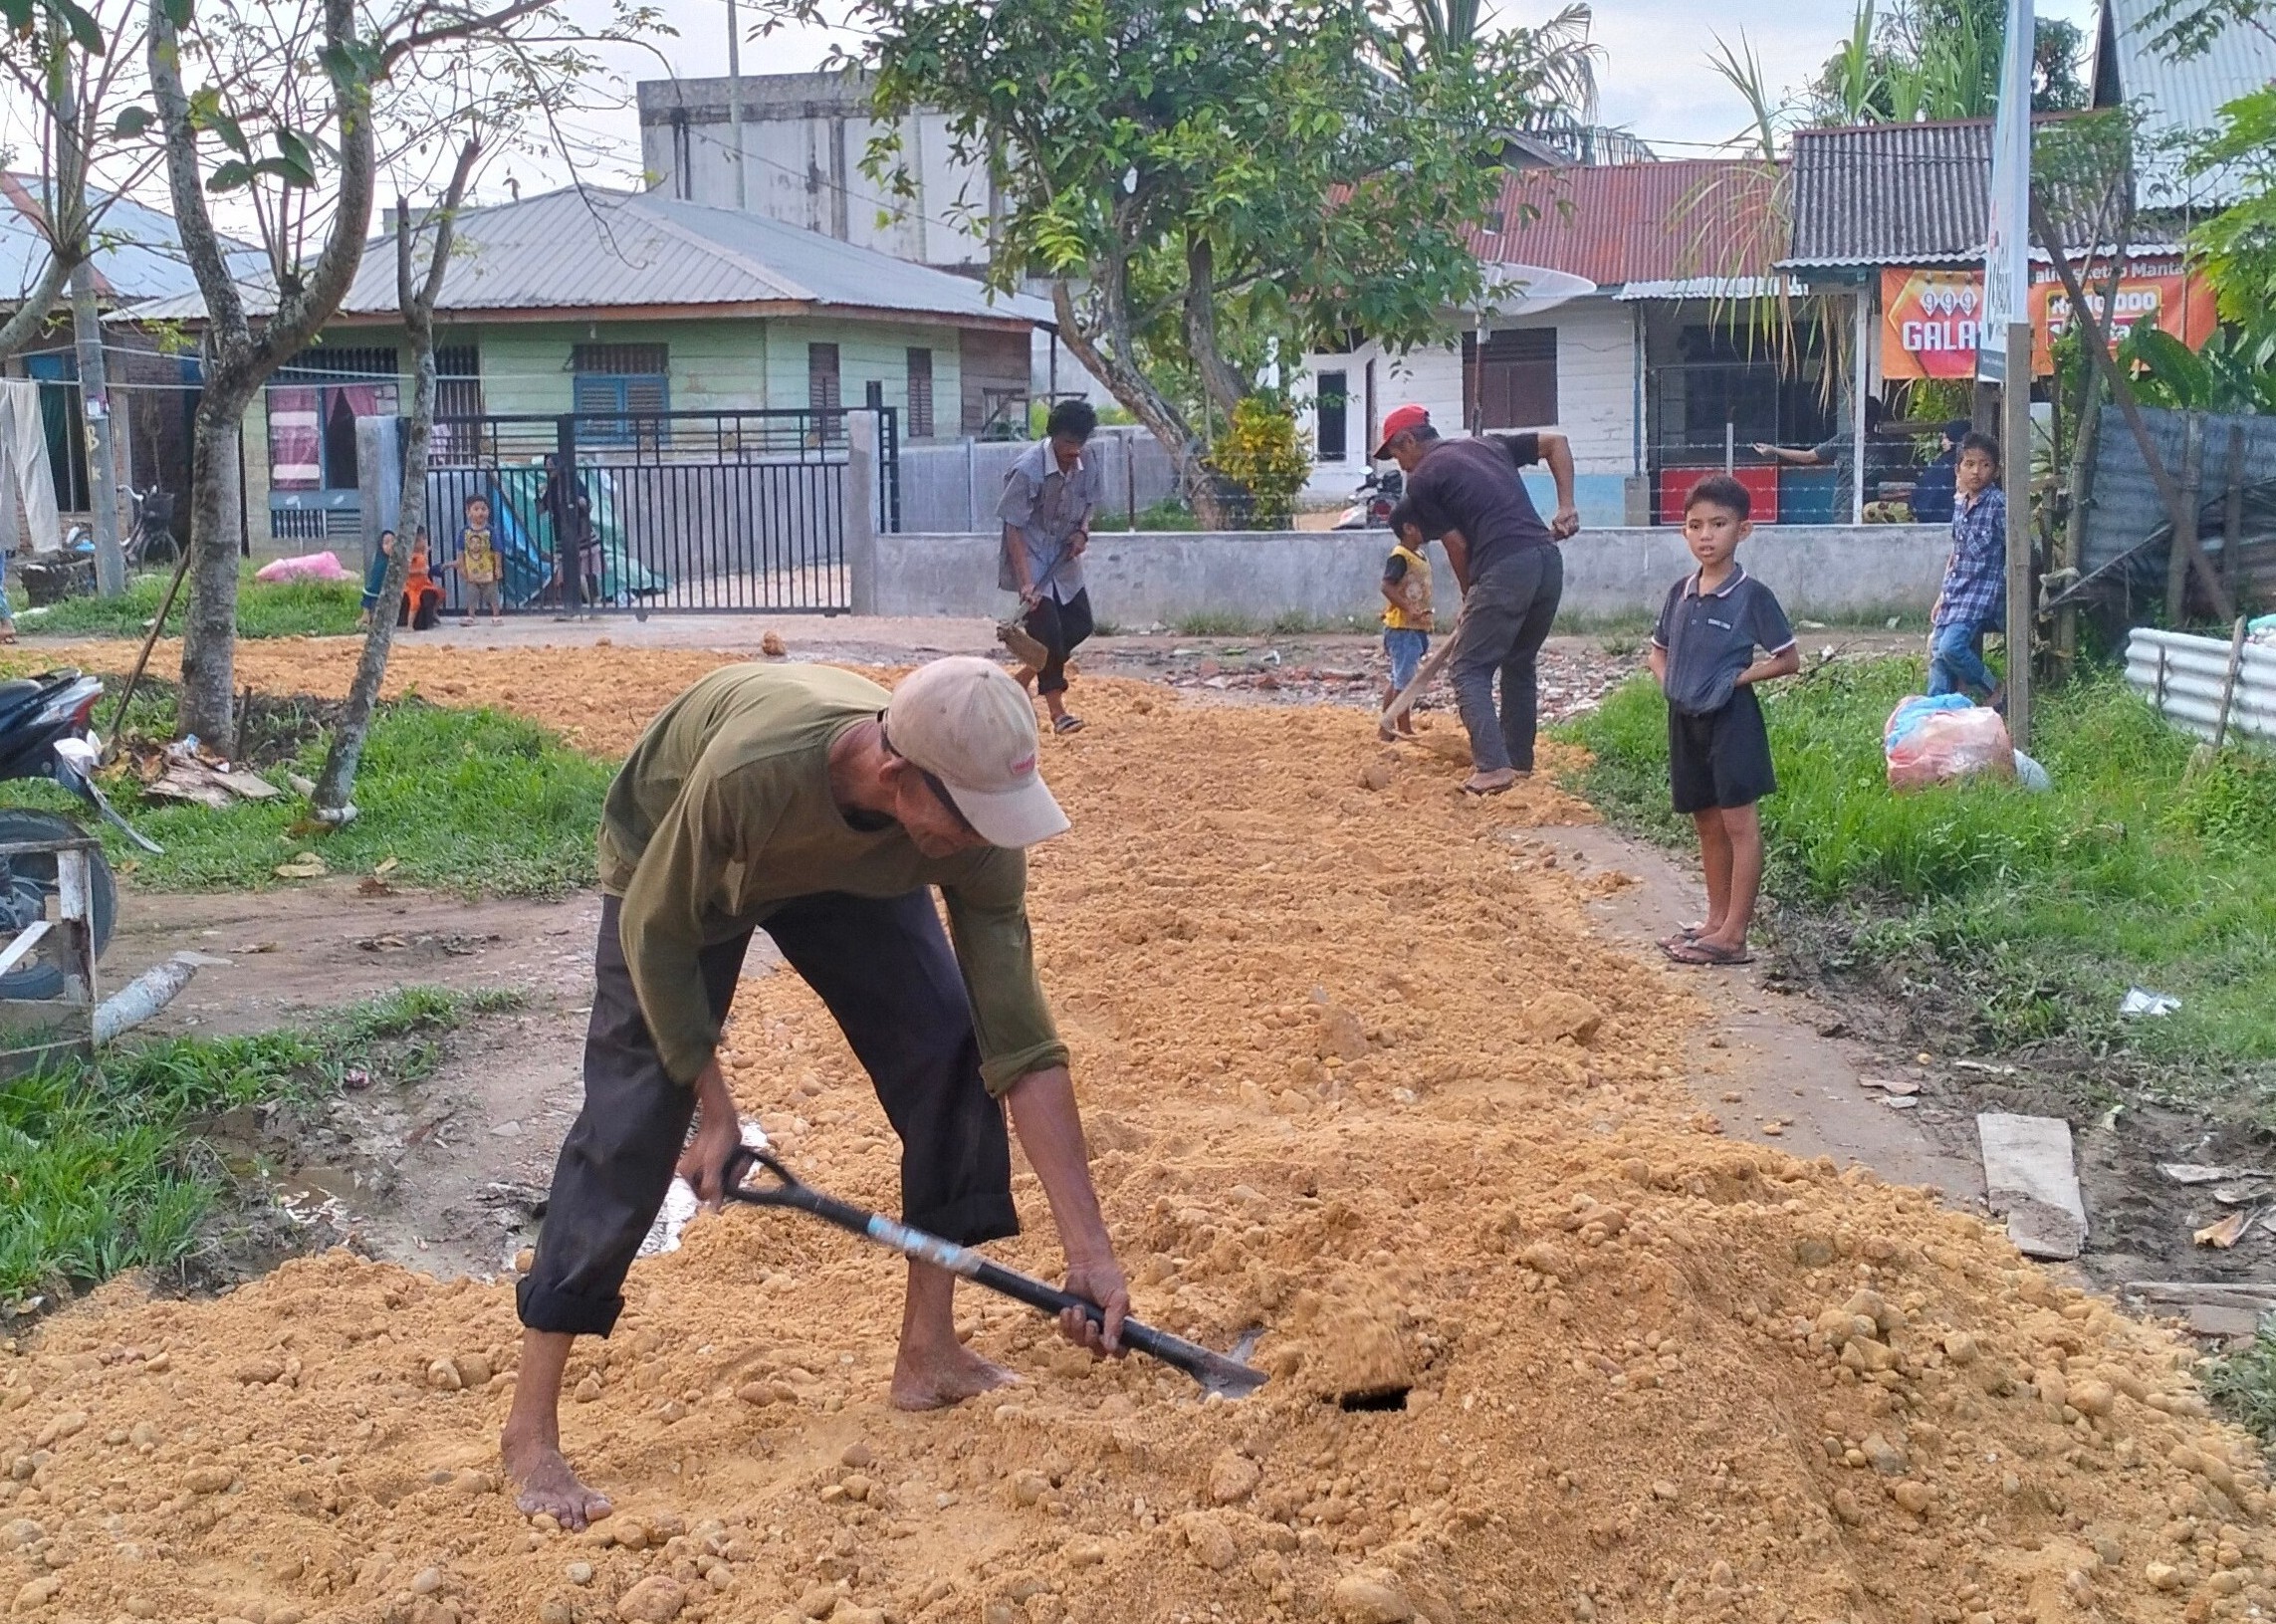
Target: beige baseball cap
965 721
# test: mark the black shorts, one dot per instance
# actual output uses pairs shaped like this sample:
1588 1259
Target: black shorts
1722 759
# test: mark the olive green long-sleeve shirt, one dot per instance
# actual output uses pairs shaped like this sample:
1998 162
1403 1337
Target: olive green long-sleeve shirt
723 813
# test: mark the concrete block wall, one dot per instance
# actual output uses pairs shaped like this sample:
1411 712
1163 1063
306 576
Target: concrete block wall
1829 572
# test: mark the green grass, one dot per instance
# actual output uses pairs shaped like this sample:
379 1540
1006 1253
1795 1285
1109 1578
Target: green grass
2243 1384
285 609
1168 514
470 801
2134 869
105 1168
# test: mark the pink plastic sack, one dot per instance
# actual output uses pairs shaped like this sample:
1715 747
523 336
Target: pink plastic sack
1945 745
308 566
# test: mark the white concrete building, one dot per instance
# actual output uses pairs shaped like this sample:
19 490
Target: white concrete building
1615 304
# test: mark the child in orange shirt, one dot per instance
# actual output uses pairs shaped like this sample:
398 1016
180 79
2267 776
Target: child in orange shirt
422 598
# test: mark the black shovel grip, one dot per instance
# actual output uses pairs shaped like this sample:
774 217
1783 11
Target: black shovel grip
1191 1357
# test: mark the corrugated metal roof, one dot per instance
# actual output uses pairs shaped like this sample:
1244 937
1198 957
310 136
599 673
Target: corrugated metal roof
137 256
2126 508
1902 194
1616 223
586 249
2176 99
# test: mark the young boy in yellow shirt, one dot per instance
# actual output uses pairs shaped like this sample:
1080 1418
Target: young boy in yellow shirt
1406 616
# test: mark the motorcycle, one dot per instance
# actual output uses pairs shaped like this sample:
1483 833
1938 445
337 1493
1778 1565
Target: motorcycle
45 733
1372 503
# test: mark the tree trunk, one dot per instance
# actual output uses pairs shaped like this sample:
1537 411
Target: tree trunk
209 629
237 359
1131 386
338 780
30 318
337 783
1220 381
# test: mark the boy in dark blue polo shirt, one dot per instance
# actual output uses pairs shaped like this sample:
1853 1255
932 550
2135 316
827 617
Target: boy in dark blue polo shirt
1718 752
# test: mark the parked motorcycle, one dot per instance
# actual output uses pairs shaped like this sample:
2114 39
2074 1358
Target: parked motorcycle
44 733
1372 503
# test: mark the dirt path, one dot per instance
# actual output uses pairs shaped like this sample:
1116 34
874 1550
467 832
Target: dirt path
1360 1069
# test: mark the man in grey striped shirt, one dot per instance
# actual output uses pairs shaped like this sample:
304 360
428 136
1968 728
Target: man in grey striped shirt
1048 495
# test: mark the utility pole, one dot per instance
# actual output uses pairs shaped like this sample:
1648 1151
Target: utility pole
2006 324
94 386
734 104
2015 476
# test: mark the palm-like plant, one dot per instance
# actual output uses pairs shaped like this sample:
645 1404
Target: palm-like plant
1740 68
1554 62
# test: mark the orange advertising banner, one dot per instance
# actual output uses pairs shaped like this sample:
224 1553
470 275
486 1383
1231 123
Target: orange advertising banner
1929 317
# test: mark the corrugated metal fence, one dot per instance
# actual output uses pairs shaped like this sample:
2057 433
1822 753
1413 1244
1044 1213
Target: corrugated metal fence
955 487
2187 679
2126 509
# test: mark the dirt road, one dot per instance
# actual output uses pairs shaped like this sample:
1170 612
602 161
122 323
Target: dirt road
1362 1068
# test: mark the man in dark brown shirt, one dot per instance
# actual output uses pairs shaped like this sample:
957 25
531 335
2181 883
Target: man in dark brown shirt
1469 494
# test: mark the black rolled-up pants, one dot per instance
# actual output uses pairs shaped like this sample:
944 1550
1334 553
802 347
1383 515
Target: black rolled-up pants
1059 627
886 971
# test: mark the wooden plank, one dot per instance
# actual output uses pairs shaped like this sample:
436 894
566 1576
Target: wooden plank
2029 1174
2185 520
26 939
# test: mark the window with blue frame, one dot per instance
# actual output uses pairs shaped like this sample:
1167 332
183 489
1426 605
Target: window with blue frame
617 384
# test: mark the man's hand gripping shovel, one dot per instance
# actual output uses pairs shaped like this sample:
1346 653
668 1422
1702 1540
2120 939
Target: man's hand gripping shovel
780 1187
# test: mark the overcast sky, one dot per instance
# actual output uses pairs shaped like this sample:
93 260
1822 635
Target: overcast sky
1654 76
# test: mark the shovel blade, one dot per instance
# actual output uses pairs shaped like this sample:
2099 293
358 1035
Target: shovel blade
1023 646
1227 1377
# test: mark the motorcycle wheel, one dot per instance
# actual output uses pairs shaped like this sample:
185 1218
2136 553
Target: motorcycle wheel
28 883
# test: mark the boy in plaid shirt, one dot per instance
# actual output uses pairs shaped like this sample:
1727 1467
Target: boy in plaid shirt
1973 597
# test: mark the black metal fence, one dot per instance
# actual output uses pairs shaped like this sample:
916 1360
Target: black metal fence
684 511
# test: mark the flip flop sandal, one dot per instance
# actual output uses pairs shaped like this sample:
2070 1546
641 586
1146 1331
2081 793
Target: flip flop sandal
1067 723
1701 953
1688 933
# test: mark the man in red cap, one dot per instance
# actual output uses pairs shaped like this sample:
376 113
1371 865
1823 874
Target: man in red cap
810 803
1468 493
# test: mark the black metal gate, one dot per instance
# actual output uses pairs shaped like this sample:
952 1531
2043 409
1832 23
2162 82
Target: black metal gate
717 512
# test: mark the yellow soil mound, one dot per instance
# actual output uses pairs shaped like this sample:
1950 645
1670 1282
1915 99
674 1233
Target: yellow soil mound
1651 1374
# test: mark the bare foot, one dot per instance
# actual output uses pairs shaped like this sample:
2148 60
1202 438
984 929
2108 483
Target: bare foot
544 1483
1490 784
936 1381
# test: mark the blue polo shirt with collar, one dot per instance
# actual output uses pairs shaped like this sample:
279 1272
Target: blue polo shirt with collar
1711 637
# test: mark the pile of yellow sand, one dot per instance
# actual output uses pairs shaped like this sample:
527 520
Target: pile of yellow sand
1354 1075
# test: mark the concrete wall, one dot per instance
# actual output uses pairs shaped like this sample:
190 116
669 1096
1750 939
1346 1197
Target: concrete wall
956 486
1818 573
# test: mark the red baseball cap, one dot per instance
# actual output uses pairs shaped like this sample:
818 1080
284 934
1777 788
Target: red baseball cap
1402 419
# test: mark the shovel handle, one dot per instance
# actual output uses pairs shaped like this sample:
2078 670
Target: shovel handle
1205 1365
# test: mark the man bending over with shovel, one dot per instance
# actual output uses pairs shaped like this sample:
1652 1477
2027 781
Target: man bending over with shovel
1506 560
810 803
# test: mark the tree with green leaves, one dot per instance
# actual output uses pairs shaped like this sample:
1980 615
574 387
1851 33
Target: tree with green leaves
1194 180
2182 28
66 61
270 103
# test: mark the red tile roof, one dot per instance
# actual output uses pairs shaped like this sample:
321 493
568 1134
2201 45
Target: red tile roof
1644 222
